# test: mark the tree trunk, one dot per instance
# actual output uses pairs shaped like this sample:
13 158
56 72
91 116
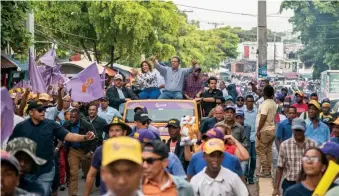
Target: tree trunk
96 52
85 49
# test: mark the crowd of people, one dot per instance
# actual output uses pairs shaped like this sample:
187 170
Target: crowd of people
243 137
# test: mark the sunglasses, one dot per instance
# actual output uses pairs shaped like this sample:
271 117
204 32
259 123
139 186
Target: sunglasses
310 159
151 160
41 109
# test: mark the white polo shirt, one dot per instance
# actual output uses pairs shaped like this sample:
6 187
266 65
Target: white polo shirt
227 183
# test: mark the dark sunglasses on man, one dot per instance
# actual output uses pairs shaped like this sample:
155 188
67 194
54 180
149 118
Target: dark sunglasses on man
41 109
151 160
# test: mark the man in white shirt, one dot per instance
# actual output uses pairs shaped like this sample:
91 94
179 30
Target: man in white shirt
215 179
107 112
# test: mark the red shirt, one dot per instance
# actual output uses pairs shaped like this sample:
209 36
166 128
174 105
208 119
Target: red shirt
230 148
300 108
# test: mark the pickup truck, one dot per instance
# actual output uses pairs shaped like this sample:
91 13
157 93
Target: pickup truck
160 111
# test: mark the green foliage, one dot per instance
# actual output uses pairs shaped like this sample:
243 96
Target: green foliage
318 24
251 35
13 25
121 31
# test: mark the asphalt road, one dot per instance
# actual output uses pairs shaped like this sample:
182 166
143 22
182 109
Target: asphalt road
81 188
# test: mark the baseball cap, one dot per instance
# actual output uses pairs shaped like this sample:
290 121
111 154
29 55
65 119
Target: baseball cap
118 76
158 147
141 116
315 103
144 109
35 105
173 122
104 98
25 145
299 93
5 156
326 104
213 145
121 148
228 97
118 121
144 135
298 123
331 148
230 107
240 113
44 96
215 133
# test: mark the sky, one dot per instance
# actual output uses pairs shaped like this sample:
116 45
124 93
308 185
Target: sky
277 24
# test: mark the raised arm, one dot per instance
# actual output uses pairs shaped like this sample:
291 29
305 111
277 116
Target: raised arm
158 66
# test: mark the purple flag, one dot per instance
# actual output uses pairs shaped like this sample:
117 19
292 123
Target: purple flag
21 84
49 58
86 86
7 115
36 81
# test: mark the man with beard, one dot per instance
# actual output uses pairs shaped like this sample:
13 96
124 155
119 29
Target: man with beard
210 98
194 84
215 179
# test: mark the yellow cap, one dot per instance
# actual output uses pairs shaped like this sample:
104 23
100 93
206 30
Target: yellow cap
44 96
326 104
315 103
301 94
213 145
121 148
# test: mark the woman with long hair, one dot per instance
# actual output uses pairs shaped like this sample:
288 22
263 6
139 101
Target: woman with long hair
147 82
313 166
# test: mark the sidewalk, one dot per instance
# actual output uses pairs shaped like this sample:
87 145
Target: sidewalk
265 187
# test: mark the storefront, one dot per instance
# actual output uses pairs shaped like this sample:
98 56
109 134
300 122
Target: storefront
12 71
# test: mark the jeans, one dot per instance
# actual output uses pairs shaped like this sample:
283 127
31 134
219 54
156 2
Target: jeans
149 93
275 156
171 95
45 180
244 167
252 163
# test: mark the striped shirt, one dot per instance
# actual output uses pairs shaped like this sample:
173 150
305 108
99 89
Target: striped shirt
174 79
290 155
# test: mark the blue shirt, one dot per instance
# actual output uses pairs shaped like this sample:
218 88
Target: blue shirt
75 129
174 165
108 114
335 140
198 163
250 119
174 79
284 130
320 134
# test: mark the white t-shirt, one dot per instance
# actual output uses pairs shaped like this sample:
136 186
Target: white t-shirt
227 183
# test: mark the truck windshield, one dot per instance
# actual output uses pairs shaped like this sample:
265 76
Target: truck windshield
161 112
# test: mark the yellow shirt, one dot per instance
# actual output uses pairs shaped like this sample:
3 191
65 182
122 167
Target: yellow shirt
268 108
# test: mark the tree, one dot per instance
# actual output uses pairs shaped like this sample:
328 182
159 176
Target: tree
13 29
317 22
251 35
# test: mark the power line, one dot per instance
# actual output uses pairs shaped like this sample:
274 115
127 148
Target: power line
78 49
66 32
227 12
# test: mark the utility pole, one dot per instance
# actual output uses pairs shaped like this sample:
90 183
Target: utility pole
215 24
274 55
30 28
262 40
